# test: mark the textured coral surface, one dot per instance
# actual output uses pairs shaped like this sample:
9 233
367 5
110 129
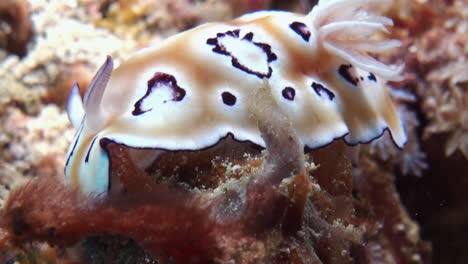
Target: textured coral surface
435 52
234 203
15 26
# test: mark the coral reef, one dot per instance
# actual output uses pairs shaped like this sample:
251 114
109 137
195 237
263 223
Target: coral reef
15 26
411 160
25 145
299 6
263 215
230 204
61 45
141 19
436 59
215 221
434 35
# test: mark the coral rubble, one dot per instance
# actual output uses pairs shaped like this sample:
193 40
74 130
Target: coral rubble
15 26
25 145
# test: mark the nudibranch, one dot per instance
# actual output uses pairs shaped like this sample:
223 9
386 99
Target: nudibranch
193 89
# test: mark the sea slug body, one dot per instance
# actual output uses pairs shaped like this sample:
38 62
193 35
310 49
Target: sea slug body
191 90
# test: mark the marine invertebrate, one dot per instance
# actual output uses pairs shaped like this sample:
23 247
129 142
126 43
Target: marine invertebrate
173 90
263 216
449 105
436 71
434 51
214 219
187 204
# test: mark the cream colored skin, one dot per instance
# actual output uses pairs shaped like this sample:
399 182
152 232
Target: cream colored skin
360 108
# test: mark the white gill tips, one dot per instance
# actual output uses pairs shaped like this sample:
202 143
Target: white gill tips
378 46
333 10
352 30
349 34
75 108
93 95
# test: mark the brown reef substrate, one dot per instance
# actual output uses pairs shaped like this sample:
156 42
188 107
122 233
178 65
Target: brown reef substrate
257 222
15 26
282 210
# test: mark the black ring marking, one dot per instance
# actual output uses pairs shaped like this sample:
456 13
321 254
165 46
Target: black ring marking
228 98
344 72
221 49
301 29
160 78
318 88
372 77
289 93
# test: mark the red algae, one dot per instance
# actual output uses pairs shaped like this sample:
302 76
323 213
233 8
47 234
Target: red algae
164 220
284 211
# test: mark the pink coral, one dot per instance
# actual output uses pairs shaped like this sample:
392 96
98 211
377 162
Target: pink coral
448 107
436 69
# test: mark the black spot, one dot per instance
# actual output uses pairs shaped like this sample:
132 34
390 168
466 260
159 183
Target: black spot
371 77
344 72
361 78
211 41
230 33
236 32
89 150
221 49
318 88
228 98
289 93
160 78
248 36
301 29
